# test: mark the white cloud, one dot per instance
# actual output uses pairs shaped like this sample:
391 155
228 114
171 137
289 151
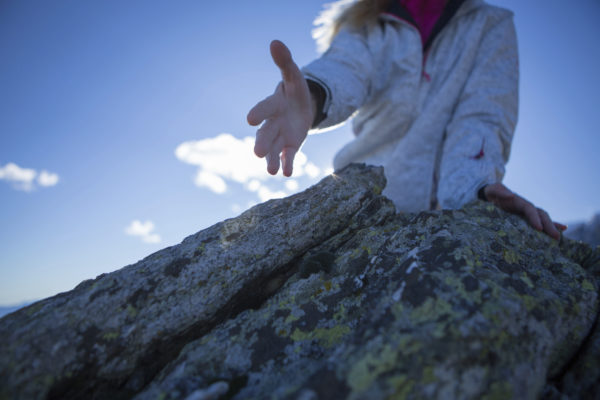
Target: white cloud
21 178
24 178
144 230
225 156
225 159
46 178
291 185
264 193
210 180
312 170
253 185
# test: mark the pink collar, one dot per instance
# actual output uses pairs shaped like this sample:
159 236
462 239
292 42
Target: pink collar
425 13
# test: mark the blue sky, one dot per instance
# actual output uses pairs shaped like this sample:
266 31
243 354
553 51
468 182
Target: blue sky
122 124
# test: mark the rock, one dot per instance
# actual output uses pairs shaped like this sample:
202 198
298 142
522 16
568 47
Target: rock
4 310
588 232
327 294
213 392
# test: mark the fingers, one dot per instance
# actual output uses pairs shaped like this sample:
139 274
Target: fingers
272 163
263 110
512 202
286 115
283 59
549 227
287 158
270 144
560 227
530 213
265 137
273 156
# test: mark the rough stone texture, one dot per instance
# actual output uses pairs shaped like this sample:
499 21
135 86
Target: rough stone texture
328 294
581 377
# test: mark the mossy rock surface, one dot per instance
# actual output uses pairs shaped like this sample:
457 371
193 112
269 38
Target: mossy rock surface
327 294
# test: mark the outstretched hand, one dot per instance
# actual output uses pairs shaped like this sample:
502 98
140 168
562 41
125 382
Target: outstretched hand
287 114
502 197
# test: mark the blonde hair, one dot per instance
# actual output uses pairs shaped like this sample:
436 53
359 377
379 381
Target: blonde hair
353 13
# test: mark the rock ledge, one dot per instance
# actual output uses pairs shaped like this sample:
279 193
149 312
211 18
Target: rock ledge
327 294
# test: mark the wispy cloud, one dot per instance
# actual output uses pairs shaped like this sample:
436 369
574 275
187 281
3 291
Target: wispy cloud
144 230
225 159
25 178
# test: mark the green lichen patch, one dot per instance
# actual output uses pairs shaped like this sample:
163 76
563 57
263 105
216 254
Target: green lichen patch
326 336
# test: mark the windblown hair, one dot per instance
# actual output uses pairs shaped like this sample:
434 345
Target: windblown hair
352 13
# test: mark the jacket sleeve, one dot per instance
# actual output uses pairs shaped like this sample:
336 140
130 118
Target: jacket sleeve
345 72
480 132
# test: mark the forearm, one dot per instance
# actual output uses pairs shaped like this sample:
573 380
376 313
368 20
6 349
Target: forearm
341 78
479 135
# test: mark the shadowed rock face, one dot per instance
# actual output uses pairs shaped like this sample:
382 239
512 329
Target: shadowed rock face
327 294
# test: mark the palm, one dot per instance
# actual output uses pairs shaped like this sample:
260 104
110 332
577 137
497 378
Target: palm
287 115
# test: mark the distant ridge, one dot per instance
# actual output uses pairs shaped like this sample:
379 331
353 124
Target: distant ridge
588 232
8 309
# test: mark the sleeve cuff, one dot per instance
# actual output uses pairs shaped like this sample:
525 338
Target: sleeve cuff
322 95
481 193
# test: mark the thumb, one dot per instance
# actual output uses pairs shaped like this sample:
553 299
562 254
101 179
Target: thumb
283 59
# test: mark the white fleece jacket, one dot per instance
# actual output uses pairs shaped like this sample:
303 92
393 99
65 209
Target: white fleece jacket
442 123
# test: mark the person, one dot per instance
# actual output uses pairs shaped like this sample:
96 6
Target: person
432 89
